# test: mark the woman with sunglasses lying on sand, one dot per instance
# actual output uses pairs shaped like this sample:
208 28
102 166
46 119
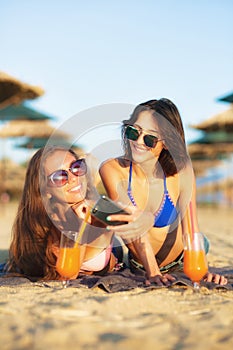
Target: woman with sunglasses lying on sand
56 186
155 180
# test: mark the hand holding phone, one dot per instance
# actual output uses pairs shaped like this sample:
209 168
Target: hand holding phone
105 207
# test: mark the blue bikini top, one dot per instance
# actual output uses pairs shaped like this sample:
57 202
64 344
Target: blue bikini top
167 213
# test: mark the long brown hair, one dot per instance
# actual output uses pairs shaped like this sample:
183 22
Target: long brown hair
33 232
174 157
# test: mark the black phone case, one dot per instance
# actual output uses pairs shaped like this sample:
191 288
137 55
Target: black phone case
105 207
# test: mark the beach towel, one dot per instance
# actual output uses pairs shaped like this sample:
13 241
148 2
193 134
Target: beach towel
121 281
125 280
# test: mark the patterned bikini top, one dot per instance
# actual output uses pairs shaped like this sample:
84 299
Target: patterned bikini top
167 213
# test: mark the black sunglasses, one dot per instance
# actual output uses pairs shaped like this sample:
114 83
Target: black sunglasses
132 133
61 177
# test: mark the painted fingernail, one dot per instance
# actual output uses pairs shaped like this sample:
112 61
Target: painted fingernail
108 218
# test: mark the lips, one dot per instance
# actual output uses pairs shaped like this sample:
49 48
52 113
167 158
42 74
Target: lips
75 189
139 149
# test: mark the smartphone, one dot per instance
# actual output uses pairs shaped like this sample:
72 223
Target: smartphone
105 207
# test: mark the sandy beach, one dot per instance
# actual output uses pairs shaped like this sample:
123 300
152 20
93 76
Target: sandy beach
35 317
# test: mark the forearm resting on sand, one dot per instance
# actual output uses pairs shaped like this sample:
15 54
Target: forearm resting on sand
145 252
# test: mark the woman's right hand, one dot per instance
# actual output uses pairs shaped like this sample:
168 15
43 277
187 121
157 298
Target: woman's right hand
139 223
160 280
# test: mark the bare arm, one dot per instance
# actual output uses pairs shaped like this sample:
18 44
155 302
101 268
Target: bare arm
189 221
187 201
139 222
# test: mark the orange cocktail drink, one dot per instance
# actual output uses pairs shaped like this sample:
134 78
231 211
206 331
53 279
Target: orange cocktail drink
195 265
195 262
68 262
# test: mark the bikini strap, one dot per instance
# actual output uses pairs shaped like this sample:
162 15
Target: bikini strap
129 190
130 177
165 183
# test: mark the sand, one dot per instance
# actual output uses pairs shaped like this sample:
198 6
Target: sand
34 317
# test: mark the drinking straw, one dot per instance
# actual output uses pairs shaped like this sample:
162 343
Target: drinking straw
191 218
82 228
189 222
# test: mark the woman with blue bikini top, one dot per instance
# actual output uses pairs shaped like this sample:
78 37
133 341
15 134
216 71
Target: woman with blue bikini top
154 180
167 212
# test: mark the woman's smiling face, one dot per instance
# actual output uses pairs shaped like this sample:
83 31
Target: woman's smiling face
140 152
75 189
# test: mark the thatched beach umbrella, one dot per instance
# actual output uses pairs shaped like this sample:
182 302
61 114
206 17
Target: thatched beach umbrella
217 148
226 98
216 143
29 128
209 152
206 154
220 122
14 91
22 112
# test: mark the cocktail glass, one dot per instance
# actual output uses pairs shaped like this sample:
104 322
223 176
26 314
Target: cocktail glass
195 262
68 262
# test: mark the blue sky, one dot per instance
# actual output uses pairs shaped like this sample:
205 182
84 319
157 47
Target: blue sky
89 53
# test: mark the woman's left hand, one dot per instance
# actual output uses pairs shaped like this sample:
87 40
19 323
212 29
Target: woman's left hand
216 278
139 222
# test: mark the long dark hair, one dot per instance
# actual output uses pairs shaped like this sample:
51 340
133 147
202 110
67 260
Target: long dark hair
175 156
33 232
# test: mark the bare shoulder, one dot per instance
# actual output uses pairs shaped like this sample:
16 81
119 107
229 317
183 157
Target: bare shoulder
114 165
113 172
186 178
187 172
